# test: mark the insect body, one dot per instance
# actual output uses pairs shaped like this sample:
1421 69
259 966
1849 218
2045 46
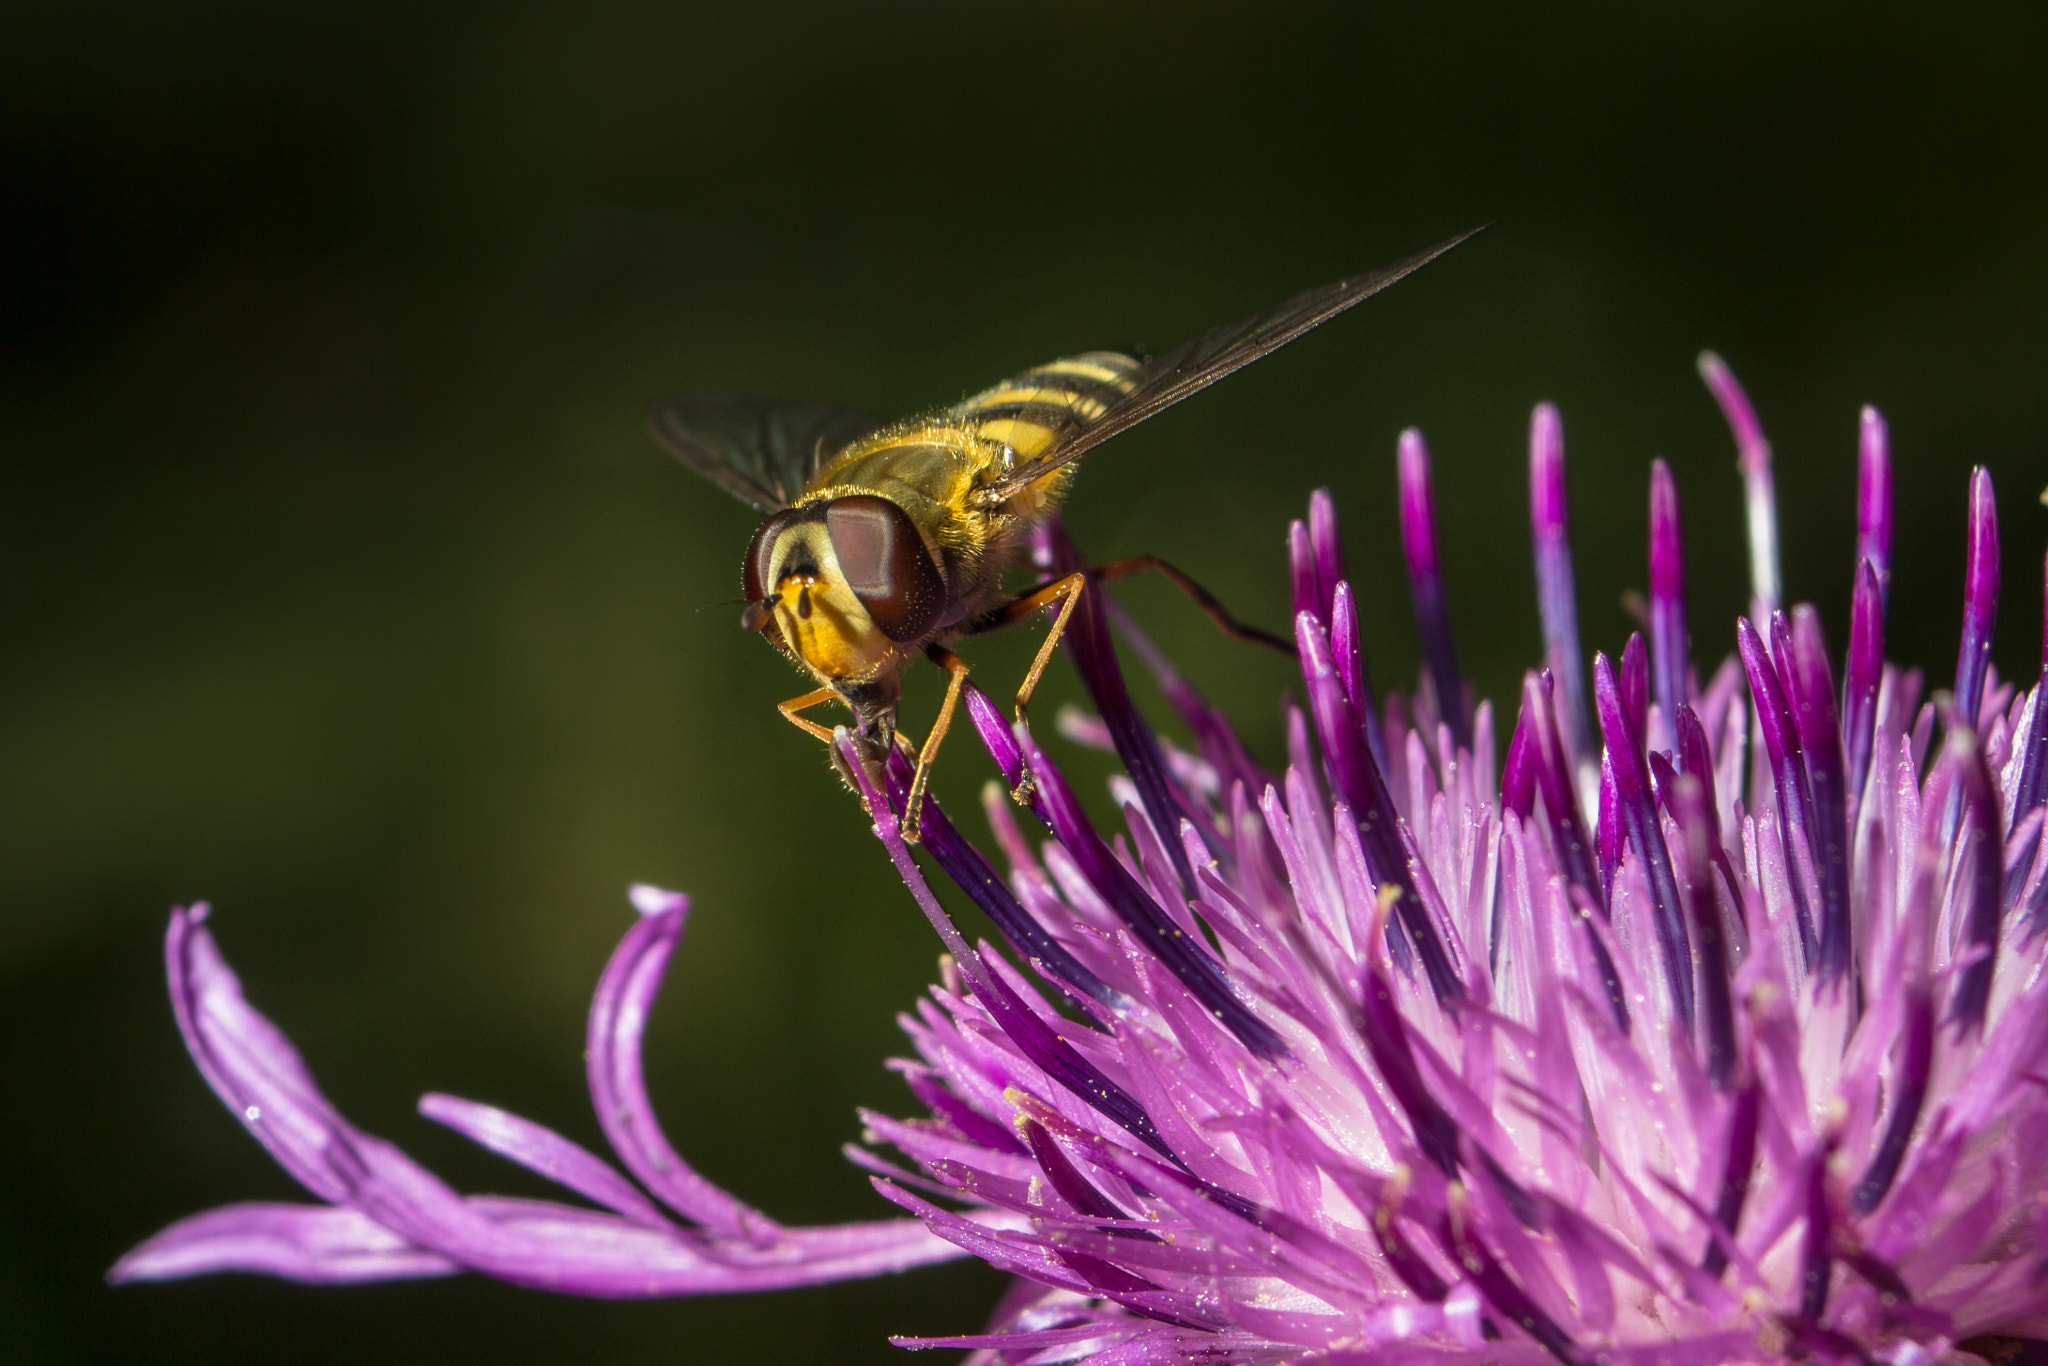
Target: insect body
884 544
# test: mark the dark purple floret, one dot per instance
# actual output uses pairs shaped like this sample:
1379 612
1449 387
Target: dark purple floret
1432 612
1546 761
1737 1170
1820 738
1695 758
1980 849
994 729
1327 547
1788 763
1560 803
963 863
1639 817
1364 790
1304 583
1633 679
1980 598
1045 1048
1183 955
1670 651
1350 660
1088 645
1816 1252
1518 774
1609 839
1556 594
1695 818
1907 1093
1380 1024
1865 674
1072 1186
1499 1287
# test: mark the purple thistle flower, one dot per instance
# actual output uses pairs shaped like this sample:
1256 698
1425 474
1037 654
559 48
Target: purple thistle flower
1381 1058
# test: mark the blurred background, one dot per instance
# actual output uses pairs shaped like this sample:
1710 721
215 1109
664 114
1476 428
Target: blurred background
341 587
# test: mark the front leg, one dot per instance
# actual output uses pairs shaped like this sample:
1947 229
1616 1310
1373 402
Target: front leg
1067 593
794 705
956 678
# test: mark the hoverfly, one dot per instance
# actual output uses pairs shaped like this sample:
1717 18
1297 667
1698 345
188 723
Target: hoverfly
884 544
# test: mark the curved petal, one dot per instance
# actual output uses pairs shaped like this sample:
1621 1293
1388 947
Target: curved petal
390 1218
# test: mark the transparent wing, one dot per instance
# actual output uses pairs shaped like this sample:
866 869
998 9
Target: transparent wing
1165 381
760 451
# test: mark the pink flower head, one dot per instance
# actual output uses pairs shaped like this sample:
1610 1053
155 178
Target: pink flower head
1711 1028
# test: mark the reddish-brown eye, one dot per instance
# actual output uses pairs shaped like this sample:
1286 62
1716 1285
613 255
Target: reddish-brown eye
886 564
754 569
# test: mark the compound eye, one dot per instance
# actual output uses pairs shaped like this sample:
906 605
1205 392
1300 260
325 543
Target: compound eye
885 563
760 554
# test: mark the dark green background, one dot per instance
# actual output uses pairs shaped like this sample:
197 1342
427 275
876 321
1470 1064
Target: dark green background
340 586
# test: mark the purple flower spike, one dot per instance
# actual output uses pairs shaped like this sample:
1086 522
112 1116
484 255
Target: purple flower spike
1198 1099
1303 581
1326 546
1820 737
1359 780
1180 951
1670 652
1865 674
1554 780
1788 764
1696 759
994 729
1545 757
1909 1086
1980 598
1980 852
963 863
1557 601
1350 658
1695 818
1634 681
1874 499
1753 455
1639 818
1425 584
1088 645
1609 840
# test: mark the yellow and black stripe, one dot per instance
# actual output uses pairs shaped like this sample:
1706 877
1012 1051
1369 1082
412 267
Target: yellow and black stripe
1039 411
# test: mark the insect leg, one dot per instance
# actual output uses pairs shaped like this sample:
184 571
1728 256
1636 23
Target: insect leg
1207 601
790 709
956 676
1067 593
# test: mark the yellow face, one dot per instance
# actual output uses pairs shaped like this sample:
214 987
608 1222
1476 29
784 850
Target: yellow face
822 623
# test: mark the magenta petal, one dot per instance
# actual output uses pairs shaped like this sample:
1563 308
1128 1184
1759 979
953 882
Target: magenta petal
1638 816
543 1150
1874 500
316 1244
1556 594
1670 649
1753 453
396 1219
618 1014
1980 598
1425 584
